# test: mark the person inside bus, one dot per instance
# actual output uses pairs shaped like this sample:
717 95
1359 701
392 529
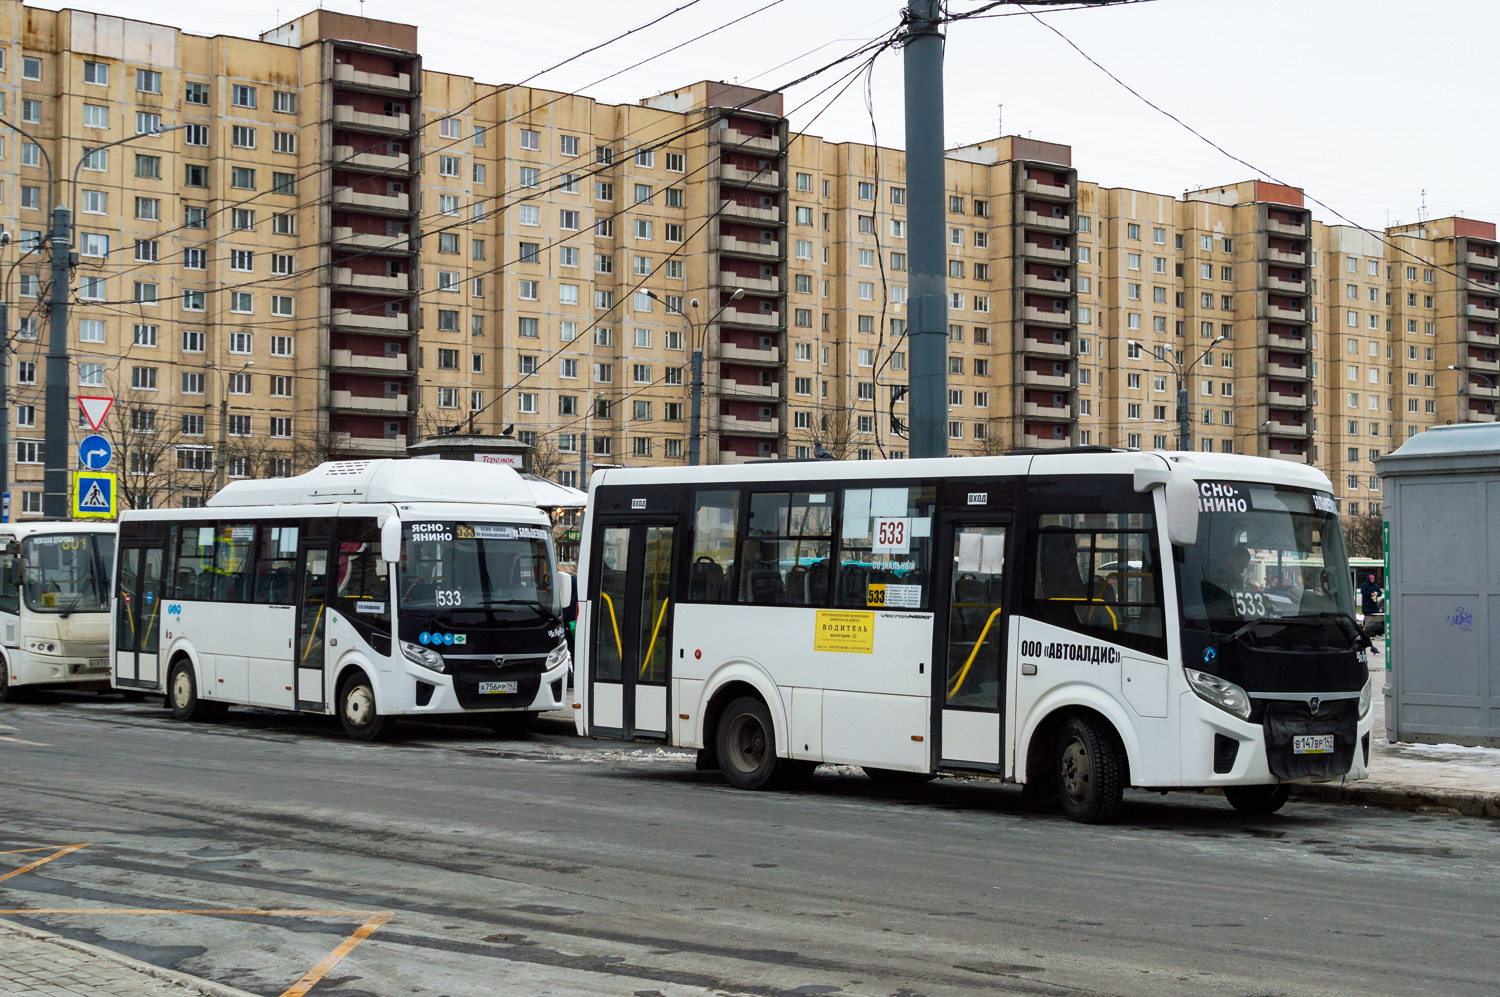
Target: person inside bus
1227 578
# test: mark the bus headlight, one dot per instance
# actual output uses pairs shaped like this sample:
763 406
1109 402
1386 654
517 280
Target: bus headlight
41 646
1220 692
558 657
424 656
1365 695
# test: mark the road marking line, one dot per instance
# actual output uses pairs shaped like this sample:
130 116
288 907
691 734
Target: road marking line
189 910
38 848
55 855
332 959
17 740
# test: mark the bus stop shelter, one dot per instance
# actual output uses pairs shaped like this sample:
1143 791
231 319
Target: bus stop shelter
1442 515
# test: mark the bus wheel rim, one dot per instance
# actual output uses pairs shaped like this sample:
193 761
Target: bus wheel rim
359 705
182 688
1077 770
747 743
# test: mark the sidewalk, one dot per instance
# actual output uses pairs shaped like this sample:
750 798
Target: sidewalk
38 962
1442 778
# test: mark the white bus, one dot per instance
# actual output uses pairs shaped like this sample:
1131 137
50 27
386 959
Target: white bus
367 589
1075 621
54 604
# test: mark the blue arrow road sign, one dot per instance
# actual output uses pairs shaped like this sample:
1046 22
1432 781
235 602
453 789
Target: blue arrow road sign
94 452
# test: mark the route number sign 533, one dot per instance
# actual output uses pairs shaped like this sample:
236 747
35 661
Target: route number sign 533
892 535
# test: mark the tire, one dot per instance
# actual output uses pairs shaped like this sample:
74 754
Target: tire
182 695
1090 771
357 710
8 693
1258 799
892 777
747 744
515 724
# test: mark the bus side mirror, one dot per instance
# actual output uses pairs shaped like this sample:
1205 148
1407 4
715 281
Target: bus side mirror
390 540
1181 493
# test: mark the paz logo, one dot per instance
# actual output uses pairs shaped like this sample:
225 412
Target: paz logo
174 609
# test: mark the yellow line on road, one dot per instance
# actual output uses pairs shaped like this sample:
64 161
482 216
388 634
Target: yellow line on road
38 848
332 959
55 855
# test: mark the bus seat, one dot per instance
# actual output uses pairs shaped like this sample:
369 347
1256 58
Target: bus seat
796 585
817 584
705 580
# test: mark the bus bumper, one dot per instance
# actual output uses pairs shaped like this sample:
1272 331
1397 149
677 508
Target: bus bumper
419 691
33 668
1220 749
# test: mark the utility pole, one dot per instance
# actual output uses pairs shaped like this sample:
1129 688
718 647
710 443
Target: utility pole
927 254
55 475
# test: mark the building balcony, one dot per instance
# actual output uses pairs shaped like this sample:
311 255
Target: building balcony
1276 339
1478 338
1061 191
771 285
1036 442
346 318
1288 373
731 425
1483 314
1058 412
1036 379
1476 390
1049 349
1276 428
1294 259
733 209
1286 455
345 277
730 457
346 360
1282 228
1472 416
1289 286
1277 399
347 197
345 156
1034 220
769 249
1475 363
368 403
1034 283
1286 314
739 389
729 173
346 237
760 143
1474 259
387 124
746 354
1039 317
387 446
349 76
758 320
1036 252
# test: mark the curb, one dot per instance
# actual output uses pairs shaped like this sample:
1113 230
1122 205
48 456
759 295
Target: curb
1397 797
184 980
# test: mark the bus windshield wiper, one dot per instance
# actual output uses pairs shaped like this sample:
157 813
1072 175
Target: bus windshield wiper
82 590
536 604
1294 620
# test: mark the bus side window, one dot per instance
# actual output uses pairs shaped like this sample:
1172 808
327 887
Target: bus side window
234 562
715 522
10 575
1097 573
195 562
362 578
276 566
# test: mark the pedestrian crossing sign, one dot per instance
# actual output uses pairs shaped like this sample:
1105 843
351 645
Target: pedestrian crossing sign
94 495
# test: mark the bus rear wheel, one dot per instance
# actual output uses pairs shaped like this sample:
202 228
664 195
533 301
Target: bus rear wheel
1257 799
357 710
182 695
1090 771
747 744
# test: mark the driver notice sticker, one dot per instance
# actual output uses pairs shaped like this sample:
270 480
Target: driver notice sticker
851 632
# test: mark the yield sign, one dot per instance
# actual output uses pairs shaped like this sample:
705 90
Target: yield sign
95 408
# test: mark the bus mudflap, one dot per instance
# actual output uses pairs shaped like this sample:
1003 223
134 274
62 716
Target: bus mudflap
1301 743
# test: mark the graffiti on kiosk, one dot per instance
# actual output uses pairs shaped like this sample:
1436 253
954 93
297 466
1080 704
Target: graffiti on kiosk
1462 619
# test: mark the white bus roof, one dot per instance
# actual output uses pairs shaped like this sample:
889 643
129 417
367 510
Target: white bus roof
1198 466
379 481
30 528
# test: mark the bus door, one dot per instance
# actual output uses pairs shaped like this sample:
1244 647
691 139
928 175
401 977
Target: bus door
312 624
139 615
971 644
631 623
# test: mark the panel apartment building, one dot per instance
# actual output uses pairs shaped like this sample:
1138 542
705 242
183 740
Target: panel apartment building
334 251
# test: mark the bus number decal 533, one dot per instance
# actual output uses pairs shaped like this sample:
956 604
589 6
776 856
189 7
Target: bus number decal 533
450 597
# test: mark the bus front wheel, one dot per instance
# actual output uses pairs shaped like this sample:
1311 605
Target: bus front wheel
357 710
182 695
1257 799
1090 771
8 692
747 744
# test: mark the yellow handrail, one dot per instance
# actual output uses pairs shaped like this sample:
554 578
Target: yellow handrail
313 634
964 672
619 644
151 623
1115 620
651 648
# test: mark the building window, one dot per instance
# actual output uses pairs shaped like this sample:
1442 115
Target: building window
244 96
195 93
148 81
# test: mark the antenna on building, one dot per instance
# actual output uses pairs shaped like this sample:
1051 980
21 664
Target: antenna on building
1422 211
1000 119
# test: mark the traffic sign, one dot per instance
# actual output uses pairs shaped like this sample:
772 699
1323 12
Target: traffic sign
95 408
94 452
94 494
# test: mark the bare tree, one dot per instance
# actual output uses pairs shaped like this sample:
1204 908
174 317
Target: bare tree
546 460
834 435
994 444
1364 535
160 464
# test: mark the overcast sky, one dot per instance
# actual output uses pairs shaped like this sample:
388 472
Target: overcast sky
1364 103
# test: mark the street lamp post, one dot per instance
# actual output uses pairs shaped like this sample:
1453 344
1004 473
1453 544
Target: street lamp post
1184 412
696 334
1462 382
221 469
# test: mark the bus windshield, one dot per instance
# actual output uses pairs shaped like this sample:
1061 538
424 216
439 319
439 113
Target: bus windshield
1264 552
67 572
477 566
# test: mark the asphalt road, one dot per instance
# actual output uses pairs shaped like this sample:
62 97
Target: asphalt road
553 865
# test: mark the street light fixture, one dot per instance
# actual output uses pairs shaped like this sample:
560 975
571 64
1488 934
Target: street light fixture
220 468
696 335
1462 383
1184 414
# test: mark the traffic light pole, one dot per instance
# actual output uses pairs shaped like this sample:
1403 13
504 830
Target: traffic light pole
55 448
927 254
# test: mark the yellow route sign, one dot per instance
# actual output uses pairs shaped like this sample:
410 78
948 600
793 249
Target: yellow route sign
850 632
94 495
